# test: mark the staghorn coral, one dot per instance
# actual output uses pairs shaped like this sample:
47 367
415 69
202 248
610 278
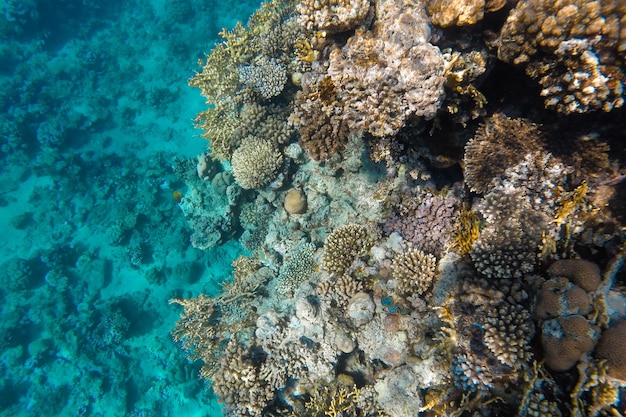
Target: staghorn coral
342 247
256 163
575 48
332 16
414 271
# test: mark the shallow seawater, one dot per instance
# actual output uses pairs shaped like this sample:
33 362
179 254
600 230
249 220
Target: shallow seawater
95 109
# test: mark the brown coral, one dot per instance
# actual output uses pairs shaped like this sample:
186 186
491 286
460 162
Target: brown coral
559 297
612 347
414 271
565 340
575 48
342 247
583 273
500 143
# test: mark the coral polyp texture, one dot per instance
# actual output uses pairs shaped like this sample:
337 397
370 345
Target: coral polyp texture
574 48
332 15
256 163
423 236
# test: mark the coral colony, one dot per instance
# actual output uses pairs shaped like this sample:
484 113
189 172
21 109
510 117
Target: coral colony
431 195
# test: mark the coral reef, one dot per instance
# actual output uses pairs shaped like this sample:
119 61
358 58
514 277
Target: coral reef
386 275
342 247
573 48
332 15
256 163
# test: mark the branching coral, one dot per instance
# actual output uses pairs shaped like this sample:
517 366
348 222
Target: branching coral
500 143
343 246
414 271
427 221
332 16
575 48
256 163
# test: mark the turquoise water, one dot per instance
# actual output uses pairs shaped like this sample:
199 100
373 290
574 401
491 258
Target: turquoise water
95 109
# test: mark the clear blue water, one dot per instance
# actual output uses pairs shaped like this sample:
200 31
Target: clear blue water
95 109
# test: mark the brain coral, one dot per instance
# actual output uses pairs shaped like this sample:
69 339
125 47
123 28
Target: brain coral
565 340
256 163
612 347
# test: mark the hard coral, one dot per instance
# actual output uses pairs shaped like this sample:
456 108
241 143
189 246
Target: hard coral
342 247
583 273
414 271
332 16
565 340
461 12
575 48
391 73
256 163
500 143
612 347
